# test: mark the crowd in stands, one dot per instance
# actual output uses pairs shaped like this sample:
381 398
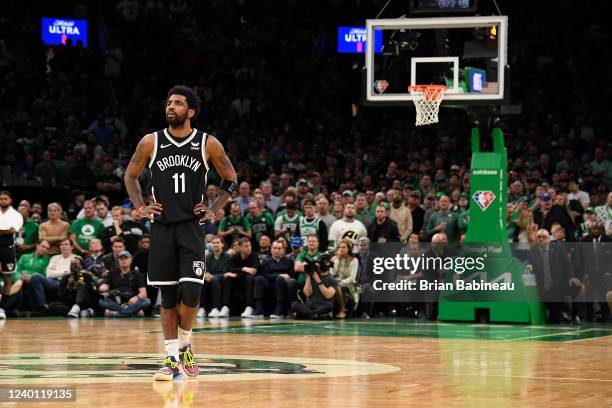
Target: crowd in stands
279 98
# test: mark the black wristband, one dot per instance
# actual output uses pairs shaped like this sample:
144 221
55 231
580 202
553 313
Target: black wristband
228 186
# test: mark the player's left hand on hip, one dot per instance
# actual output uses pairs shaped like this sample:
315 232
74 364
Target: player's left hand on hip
202 211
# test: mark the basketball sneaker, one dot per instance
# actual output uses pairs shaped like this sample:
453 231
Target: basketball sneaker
224 312
171 370
248 312
190 366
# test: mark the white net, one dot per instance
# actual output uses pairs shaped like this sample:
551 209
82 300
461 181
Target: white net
427 99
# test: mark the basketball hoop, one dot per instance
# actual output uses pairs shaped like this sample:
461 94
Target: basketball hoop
427 99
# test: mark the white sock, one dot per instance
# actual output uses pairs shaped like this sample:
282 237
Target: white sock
172 348
184 337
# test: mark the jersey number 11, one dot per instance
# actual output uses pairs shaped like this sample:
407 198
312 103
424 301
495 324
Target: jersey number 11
179 188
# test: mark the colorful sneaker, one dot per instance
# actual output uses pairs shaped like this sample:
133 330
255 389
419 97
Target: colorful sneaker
189 364
171 370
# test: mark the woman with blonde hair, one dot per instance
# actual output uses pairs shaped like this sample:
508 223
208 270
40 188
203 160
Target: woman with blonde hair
344 270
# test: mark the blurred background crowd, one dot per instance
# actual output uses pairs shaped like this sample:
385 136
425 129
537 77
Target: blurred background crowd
286 107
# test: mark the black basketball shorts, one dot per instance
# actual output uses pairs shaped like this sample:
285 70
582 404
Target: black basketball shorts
8 260
176 254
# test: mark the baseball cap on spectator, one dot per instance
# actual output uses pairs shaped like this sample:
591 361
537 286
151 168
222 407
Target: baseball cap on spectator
124 254
439 194
347 192
545 197
464 194
590 210
296 242
522 199
380 194
455 167
301 181
441 178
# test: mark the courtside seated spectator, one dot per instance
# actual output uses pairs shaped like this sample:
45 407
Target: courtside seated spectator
319 289
124 290
242 269
275 272
217 264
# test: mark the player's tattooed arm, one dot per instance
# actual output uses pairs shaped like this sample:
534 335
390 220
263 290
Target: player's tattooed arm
135 167
216 153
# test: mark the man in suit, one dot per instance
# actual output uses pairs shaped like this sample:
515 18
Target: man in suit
596 257
554 275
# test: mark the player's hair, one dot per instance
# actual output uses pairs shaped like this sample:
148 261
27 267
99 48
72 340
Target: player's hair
193 101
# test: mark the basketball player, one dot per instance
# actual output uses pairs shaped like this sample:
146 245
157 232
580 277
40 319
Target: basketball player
178 157
11 221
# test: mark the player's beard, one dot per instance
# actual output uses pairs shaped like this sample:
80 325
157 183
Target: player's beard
176 121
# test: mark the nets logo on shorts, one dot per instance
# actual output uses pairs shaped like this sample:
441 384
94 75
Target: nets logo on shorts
198 268
484 199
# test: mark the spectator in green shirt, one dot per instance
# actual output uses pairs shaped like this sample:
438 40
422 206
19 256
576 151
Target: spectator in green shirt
362 213
34 262
261 223
312 253
444 220
27 236
82 231
234 226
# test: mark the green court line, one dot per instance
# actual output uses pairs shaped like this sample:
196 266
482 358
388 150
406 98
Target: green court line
417 329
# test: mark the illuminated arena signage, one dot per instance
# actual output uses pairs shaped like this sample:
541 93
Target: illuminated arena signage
353 40
56 31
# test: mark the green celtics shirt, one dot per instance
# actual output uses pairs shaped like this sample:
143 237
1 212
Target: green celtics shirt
308 228
28 234
86 230
449 220
283 221
261 225
234 224
29 264
303 257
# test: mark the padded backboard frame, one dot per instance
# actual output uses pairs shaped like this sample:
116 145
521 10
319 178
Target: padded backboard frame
452 95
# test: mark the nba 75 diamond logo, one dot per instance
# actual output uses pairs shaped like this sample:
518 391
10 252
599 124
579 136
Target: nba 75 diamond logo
484 199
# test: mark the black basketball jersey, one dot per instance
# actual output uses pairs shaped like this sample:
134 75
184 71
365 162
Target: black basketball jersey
178 171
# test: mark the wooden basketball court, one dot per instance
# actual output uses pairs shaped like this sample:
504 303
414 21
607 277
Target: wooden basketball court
373 363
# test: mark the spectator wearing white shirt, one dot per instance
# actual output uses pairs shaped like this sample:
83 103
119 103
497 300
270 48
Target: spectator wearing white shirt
59 265
347 228
604 215
577 194
11 221
46 287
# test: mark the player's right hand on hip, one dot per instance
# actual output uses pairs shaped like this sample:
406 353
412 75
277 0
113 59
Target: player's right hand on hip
151 210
